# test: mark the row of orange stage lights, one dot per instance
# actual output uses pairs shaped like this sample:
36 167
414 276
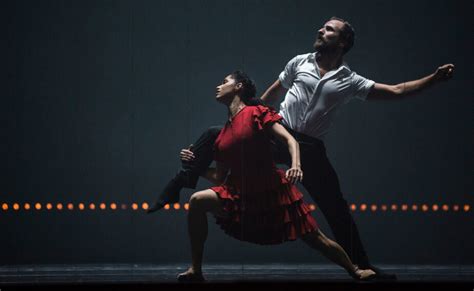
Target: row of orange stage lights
176 206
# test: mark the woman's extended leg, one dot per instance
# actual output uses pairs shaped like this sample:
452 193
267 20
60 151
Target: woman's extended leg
334 252
199 204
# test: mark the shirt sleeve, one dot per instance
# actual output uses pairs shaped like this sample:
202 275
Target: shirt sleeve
264 117
361 86
287 76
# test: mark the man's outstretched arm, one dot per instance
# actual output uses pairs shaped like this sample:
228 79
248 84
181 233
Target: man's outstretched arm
392 92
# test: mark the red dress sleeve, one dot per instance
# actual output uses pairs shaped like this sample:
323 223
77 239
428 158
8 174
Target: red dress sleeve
264 117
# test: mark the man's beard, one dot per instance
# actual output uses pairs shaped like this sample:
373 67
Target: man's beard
322 46
319 44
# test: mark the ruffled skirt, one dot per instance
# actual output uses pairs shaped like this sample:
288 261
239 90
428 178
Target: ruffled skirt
268 216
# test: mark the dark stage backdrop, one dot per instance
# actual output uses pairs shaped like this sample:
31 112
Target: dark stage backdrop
99 96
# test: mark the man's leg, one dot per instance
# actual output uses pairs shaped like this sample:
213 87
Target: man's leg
321 182
188 175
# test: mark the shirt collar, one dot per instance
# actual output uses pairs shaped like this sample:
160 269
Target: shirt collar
344 66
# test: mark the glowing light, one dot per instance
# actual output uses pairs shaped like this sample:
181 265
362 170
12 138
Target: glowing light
185 206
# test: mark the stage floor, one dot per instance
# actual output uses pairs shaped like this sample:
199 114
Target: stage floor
28 275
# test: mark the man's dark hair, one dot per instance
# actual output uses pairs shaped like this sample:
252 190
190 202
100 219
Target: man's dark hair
249 90
347 34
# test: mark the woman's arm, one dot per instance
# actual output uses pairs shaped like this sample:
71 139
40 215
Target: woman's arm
294 174
214 175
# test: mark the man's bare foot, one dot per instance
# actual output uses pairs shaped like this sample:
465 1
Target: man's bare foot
190 276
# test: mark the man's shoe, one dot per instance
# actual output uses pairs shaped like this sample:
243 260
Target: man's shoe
170 193
158 205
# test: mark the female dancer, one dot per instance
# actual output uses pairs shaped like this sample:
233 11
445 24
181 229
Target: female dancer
255 201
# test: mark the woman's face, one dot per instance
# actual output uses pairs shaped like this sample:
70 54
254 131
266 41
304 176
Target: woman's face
227 88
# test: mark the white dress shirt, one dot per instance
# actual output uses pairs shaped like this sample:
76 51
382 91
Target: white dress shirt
311 101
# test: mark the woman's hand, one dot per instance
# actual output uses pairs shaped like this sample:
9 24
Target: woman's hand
294 174
187 155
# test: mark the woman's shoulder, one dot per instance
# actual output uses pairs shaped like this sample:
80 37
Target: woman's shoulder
260 109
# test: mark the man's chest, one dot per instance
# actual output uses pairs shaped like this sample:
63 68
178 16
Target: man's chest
309 84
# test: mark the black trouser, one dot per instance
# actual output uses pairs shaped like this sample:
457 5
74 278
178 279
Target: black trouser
320 180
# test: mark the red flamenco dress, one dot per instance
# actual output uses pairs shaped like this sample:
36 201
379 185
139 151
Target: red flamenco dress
259 204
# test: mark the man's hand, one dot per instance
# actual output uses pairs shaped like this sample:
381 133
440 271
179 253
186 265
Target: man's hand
443 73
186 155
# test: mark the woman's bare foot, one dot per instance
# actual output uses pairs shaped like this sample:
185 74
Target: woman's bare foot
363 274
190 276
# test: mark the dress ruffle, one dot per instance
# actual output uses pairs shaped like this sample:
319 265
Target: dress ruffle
270 217
264 116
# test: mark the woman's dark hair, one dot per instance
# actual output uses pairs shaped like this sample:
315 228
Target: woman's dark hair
249 90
